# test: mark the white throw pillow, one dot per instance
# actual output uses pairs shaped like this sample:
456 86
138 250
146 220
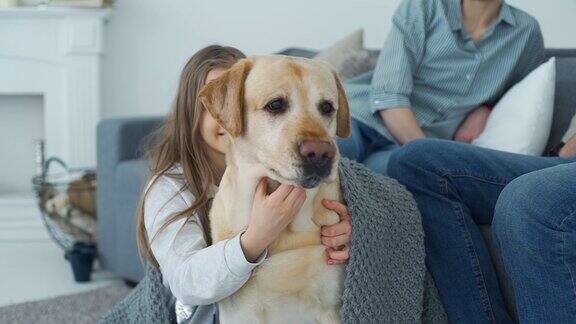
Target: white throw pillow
521 121
343 49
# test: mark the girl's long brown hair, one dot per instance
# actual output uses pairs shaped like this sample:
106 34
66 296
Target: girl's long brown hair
179 141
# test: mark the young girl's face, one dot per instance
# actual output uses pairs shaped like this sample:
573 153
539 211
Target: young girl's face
212 133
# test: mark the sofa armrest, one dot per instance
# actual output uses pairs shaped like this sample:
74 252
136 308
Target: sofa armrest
118 140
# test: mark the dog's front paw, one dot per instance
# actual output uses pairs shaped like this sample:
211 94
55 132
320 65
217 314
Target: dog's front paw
325 217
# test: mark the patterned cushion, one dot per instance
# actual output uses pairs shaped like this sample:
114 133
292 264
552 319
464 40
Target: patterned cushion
343 49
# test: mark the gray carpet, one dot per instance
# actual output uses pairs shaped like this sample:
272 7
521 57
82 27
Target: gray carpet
86 307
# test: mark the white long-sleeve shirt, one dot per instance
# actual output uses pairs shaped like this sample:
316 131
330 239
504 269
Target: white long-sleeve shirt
195 273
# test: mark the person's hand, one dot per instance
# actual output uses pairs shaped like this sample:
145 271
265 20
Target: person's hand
473 125
270 215
569 149
336 237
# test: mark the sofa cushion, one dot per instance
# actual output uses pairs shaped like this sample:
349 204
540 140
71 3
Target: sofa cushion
343 49
357 64
565 100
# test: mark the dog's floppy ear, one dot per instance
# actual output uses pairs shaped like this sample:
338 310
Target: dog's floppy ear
223 97
343 114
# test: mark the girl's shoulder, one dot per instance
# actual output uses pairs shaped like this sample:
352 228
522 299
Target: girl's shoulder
165 195
169 185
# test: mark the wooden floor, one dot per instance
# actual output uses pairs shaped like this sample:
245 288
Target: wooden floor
32 266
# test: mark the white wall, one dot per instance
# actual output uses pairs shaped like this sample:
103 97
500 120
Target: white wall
148 41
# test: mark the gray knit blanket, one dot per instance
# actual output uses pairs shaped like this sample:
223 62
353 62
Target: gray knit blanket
386 278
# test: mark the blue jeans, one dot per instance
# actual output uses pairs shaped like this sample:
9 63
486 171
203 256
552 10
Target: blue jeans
367 146
457 187
535 227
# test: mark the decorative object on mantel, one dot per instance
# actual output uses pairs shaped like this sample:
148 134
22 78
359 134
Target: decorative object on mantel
8 3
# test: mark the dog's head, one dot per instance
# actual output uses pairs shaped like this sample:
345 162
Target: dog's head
283 113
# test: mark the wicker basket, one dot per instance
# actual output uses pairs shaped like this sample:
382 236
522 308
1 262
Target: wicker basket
66 200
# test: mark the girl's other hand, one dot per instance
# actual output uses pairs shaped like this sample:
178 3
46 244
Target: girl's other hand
337 237
270 215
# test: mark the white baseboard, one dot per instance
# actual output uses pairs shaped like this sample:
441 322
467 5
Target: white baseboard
17 200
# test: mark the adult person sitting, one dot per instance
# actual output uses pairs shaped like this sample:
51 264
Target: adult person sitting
443 66
530 202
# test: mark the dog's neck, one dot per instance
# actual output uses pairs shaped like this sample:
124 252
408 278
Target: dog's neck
240 181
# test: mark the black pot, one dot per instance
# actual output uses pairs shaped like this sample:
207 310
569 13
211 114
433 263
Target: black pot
81 258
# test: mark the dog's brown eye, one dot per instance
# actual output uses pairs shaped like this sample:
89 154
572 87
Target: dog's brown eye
276 106
326 107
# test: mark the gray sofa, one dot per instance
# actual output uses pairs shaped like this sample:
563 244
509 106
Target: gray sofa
122 173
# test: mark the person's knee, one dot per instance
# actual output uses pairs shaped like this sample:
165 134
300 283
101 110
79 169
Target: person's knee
521 209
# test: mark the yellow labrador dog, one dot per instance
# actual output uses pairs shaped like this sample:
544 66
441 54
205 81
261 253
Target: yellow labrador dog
283 115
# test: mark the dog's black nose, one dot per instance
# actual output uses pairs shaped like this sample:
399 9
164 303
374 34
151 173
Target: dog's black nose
316 152
317 158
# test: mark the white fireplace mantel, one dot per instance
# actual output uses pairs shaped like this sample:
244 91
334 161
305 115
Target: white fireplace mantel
55 52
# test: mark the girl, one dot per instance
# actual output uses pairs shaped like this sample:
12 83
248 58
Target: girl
187 162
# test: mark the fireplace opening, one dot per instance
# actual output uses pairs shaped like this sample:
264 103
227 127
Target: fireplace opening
21 124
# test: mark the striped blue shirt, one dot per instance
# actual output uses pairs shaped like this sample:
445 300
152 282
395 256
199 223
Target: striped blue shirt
431 64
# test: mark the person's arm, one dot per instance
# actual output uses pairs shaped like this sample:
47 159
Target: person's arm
473 125
399 59
195 273
402 124
532 57
533 54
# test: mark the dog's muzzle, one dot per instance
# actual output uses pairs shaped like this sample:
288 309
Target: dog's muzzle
317 158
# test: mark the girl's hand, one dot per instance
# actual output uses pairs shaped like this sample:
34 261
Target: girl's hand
337 237
270 215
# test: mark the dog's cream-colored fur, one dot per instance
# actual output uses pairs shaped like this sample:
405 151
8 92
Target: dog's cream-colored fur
294 284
